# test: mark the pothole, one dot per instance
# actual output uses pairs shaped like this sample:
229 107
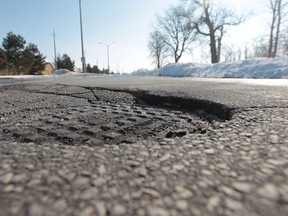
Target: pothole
111 117
180 103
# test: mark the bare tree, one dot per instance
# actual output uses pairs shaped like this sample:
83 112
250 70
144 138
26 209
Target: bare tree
177 31
157 48
211 21
229 53
260 47
285 47
279 9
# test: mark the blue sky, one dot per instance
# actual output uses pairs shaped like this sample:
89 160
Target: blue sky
127 22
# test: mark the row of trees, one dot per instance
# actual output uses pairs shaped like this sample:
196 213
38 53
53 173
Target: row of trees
95 69
17 58
65 62
206 22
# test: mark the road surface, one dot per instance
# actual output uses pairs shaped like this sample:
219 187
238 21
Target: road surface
143 146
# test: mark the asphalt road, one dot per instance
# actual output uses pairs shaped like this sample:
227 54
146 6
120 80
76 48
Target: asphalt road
143 146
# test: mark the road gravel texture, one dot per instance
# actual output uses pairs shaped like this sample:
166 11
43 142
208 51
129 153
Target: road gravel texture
94 149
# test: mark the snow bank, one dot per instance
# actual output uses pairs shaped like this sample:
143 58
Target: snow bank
250 68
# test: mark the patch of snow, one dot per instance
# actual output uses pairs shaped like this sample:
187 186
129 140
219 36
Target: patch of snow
145 72
62 72
56 73
276 68
20 76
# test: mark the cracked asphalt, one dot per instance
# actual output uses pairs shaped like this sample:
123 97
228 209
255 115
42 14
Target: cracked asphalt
143 146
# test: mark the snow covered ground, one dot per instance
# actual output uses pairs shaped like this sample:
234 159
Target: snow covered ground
57 73
251 68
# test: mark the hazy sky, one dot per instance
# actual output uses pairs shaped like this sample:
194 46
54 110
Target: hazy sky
128 22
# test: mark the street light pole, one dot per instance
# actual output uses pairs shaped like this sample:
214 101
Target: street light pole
55 58
107 46
108 58
82 43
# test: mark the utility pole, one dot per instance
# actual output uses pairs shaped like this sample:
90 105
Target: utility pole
55 58
82 43
107 46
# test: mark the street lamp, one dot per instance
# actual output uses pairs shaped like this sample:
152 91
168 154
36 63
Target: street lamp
82 43
107 46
